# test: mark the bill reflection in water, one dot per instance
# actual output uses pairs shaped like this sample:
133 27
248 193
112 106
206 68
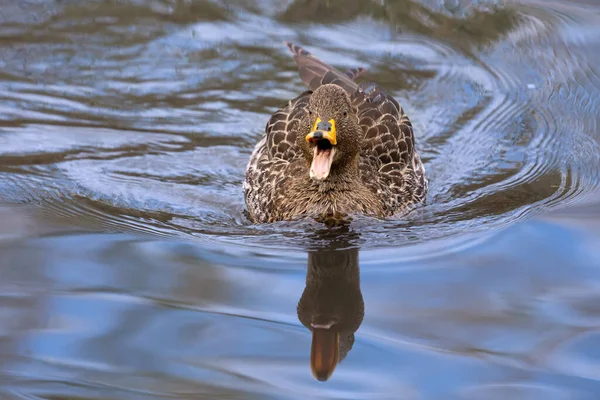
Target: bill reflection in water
331 306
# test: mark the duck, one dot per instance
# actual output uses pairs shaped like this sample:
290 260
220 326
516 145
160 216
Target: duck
339 148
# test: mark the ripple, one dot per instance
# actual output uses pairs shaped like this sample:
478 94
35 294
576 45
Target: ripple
522 391
124 140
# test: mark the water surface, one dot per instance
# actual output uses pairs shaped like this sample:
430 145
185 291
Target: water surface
130 271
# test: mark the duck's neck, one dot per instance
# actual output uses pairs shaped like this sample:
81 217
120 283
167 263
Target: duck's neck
342 176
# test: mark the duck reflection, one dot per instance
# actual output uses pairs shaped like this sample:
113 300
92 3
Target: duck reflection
331 306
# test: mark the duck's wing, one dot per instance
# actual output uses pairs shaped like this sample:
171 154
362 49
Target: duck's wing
388 131
315 72
275 160
282 128
388 155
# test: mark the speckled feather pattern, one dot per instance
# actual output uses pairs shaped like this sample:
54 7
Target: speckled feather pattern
391 175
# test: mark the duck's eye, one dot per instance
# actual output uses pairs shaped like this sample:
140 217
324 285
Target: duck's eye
309 112
345 113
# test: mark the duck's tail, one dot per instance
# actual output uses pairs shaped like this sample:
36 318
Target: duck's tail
315 72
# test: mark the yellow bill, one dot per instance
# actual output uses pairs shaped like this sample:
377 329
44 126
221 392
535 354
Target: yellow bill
323 136
324 353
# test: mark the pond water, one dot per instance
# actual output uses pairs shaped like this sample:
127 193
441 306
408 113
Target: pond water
128 269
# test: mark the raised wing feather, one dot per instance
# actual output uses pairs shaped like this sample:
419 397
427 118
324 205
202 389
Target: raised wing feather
315 72
355 73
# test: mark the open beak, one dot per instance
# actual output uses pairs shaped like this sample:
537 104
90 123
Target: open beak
324 353
323 137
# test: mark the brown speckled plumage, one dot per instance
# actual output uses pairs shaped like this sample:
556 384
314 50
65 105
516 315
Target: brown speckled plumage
376 172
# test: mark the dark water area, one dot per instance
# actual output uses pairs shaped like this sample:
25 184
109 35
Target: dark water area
128 269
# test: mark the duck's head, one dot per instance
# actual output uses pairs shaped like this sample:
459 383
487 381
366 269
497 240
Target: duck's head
333 134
